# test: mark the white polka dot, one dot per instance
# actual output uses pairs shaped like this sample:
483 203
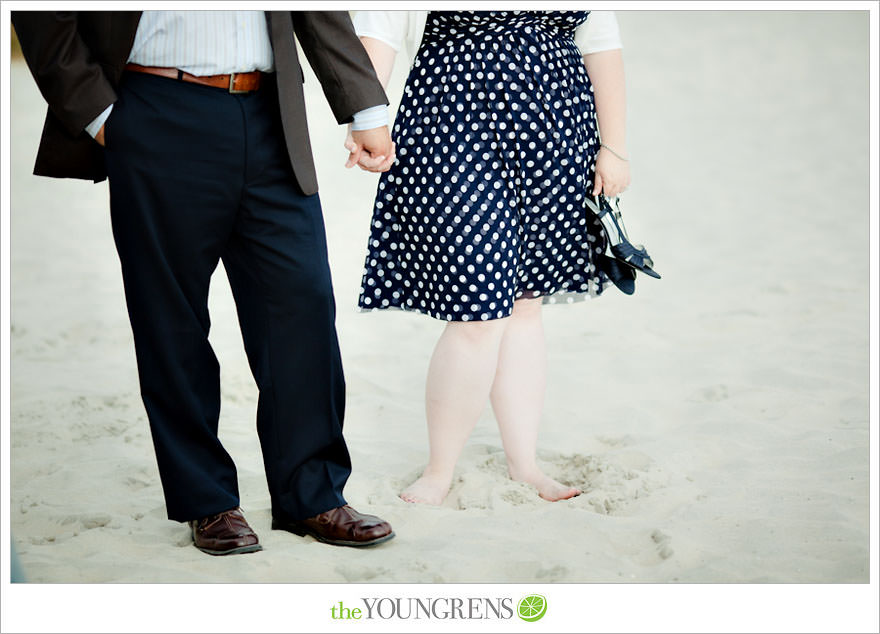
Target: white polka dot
484 204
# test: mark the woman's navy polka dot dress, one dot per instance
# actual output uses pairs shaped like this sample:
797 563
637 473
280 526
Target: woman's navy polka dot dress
496 140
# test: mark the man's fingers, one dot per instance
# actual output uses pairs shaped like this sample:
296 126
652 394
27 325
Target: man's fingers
354 158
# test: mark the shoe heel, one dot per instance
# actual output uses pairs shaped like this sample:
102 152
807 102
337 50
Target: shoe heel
624 251
612 221
290 527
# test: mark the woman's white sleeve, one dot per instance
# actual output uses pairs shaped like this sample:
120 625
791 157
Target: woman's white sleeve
386 26
599 33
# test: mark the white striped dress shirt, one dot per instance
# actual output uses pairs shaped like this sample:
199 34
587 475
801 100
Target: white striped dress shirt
204 42
212 43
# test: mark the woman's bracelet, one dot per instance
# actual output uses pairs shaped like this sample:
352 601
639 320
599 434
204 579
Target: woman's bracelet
613 152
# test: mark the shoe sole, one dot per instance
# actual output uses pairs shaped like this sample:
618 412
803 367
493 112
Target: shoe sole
303 532
234 551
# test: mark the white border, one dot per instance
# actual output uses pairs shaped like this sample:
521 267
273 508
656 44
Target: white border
305 607
5 536
571 608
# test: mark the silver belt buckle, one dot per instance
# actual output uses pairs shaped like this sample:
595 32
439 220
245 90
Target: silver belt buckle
231 82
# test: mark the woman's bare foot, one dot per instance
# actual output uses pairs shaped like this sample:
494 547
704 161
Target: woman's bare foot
548 488
428 489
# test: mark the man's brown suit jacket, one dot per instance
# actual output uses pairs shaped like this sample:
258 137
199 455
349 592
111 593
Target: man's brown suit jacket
77 59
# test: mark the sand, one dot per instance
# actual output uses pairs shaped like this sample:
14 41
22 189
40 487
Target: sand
717 420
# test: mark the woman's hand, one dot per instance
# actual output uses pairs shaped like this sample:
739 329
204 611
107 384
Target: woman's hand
612 174
605 70
366 150
371 150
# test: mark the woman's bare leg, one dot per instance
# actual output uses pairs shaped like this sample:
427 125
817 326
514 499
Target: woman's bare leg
518 398
459 379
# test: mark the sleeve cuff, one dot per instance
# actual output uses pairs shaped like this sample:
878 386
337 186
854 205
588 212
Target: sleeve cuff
599 33
95 126
382 38
374 117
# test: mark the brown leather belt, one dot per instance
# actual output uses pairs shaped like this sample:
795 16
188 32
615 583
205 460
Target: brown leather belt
234 83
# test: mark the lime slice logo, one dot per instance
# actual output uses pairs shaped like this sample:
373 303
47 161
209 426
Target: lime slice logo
532 608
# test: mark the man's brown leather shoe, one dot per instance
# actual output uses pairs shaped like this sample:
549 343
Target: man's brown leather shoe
342 526
226 533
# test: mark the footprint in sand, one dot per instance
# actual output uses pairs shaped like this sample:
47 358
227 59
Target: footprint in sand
616 441
184 540
60 528
466 499
664 549
354 574
88 521
136 484
494 464
521 571
610 482
517 496
710 394
475 490
556 573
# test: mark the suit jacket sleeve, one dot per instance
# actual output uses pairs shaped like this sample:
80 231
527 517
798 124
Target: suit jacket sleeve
71 81
339 60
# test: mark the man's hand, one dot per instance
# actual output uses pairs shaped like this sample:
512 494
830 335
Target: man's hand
100 137
371 150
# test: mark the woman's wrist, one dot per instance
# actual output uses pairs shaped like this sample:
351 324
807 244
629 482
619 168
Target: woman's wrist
621 155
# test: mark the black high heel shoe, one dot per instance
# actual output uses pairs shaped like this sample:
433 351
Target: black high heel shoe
632 255
621 275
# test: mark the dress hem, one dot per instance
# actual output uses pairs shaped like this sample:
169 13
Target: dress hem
557 298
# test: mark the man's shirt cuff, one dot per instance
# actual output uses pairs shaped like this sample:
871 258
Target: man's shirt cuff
95 126
374 117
